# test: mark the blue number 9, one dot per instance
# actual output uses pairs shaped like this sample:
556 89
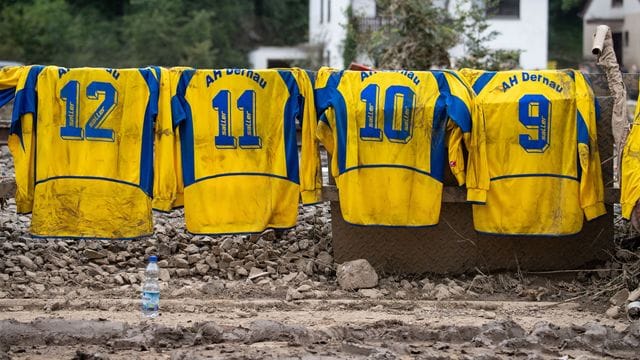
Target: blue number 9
535 113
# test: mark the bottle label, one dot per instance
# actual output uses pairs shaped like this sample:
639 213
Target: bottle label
150 301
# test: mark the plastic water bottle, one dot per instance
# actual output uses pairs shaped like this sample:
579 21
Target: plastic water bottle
151 289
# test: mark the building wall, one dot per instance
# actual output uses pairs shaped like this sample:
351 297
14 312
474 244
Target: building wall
259 58
631 51
529 33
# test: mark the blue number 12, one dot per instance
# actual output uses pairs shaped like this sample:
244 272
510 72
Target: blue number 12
247 104
70 94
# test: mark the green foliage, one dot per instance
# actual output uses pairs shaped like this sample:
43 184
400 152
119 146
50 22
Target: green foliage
350 46
565 32
476 32
131 33
417 34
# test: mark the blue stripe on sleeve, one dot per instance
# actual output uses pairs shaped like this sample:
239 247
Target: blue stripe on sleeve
181 116
150 114
7 95
26 101
482 81
583 132
291 111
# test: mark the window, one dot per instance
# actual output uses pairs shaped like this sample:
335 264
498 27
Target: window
328 11
505 9
617 3
321 11
626 39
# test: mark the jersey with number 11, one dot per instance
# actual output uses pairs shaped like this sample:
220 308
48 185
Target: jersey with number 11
86 160
239 150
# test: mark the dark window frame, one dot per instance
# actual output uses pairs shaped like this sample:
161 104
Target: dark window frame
617 3
504 9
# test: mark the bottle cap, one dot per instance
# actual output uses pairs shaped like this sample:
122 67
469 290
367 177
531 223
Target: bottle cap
153 258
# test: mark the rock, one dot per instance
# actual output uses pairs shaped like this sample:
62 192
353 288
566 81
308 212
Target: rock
182 272
289 277
256 273
441 292
227 243
180 263
613 312
324 258
26 262
192 249
194 258
242 271
371 293
226 257
356 274
202 269
211 332
303 244
304 288
214 287
164 275
57 280
634 295
619 298
293 294
401 294
92 254
406 284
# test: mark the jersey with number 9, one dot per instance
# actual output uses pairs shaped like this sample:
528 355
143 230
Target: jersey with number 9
542 152
89 151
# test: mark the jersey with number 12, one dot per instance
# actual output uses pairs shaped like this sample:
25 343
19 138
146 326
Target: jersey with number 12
86 160
542 152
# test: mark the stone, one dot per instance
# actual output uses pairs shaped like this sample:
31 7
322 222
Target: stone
226 257
194 258
304 288
256 273
180 263
164 275
619 298
401 294
26 262
634 295
182 272
371 293
356 274
441 292
57 280
613 312
192 249
92 254
303 244
214 287
227 243
289 277
324 258
293 294
202 269
242 271
406 284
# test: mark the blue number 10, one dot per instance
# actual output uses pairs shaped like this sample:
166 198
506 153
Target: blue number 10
70 94
247 104
371 131
534 112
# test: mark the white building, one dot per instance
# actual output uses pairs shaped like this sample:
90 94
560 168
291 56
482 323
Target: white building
623 17
523 24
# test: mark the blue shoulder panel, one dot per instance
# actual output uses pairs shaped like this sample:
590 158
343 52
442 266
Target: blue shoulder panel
312 78
291 111
7 95
439 128
181 116
150 114
26 101
583 132
482 81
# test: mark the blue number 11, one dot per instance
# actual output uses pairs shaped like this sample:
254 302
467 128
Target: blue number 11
247 104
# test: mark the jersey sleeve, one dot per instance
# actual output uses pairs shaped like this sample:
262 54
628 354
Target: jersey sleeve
591 186
310 172
463 110
326 116
630 191
9 78
21 140
168 186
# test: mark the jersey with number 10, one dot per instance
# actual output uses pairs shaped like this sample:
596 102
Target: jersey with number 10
239 149
87 164
542 152
388 134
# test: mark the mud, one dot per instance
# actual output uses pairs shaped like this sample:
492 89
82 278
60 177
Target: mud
320 330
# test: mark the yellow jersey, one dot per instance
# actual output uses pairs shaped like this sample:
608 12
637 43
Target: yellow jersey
89 152
240 163
387 133
9 78
542 152
630 186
